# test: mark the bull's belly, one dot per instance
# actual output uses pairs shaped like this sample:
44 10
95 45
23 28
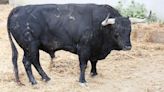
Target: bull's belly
55 46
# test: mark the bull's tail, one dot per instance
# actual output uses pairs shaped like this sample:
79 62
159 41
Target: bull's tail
14 50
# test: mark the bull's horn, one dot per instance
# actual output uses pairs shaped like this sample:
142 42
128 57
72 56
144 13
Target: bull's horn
108 21
137 20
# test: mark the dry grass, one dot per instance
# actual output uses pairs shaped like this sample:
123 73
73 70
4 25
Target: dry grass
138 70
148 32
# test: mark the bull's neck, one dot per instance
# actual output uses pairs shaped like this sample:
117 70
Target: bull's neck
107 46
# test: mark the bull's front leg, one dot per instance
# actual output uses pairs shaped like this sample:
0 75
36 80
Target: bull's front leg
83 58
83 66
93 69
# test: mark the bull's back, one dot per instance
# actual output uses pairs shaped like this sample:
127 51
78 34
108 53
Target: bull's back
75 19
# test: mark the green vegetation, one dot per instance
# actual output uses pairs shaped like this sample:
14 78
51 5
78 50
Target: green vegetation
136 10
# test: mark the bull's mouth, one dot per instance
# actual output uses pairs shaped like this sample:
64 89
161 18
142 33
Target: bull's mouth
126 48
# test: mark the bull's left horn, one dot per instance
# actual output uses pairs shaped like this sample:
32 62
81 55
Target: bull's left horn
137 20
108 21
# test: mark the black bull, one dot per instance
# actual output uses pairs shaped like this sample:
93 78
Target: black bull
76 28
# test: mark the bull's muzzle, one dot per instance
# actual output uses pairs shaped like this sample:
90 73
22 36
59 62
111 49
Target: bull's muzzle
127 48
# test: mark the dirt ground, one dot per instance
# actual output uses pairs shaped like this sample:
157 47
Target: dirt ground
138 70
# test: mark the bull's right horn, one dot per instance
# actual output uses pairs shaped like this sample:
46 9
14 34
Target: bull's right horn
108 21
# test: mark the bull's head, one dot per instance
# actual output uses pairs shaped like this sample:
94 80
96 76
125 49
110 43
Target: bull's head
121 30
121 27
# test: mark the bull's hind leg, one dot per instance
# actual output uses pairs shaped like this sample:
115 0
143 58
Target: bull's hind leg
38 67
32 57
34 53
27 65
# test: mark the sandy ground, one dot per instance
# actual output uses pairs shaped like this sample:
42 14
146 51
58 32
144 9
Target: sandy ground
138 70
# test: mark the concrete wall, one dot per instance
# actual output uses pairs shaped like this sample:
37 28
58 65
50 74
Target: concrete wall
156 6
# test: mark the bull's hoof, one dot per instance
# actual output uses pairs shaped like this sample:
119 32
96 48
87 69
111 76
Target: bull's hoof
93 74
34 83
83 84
46 79
82 81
